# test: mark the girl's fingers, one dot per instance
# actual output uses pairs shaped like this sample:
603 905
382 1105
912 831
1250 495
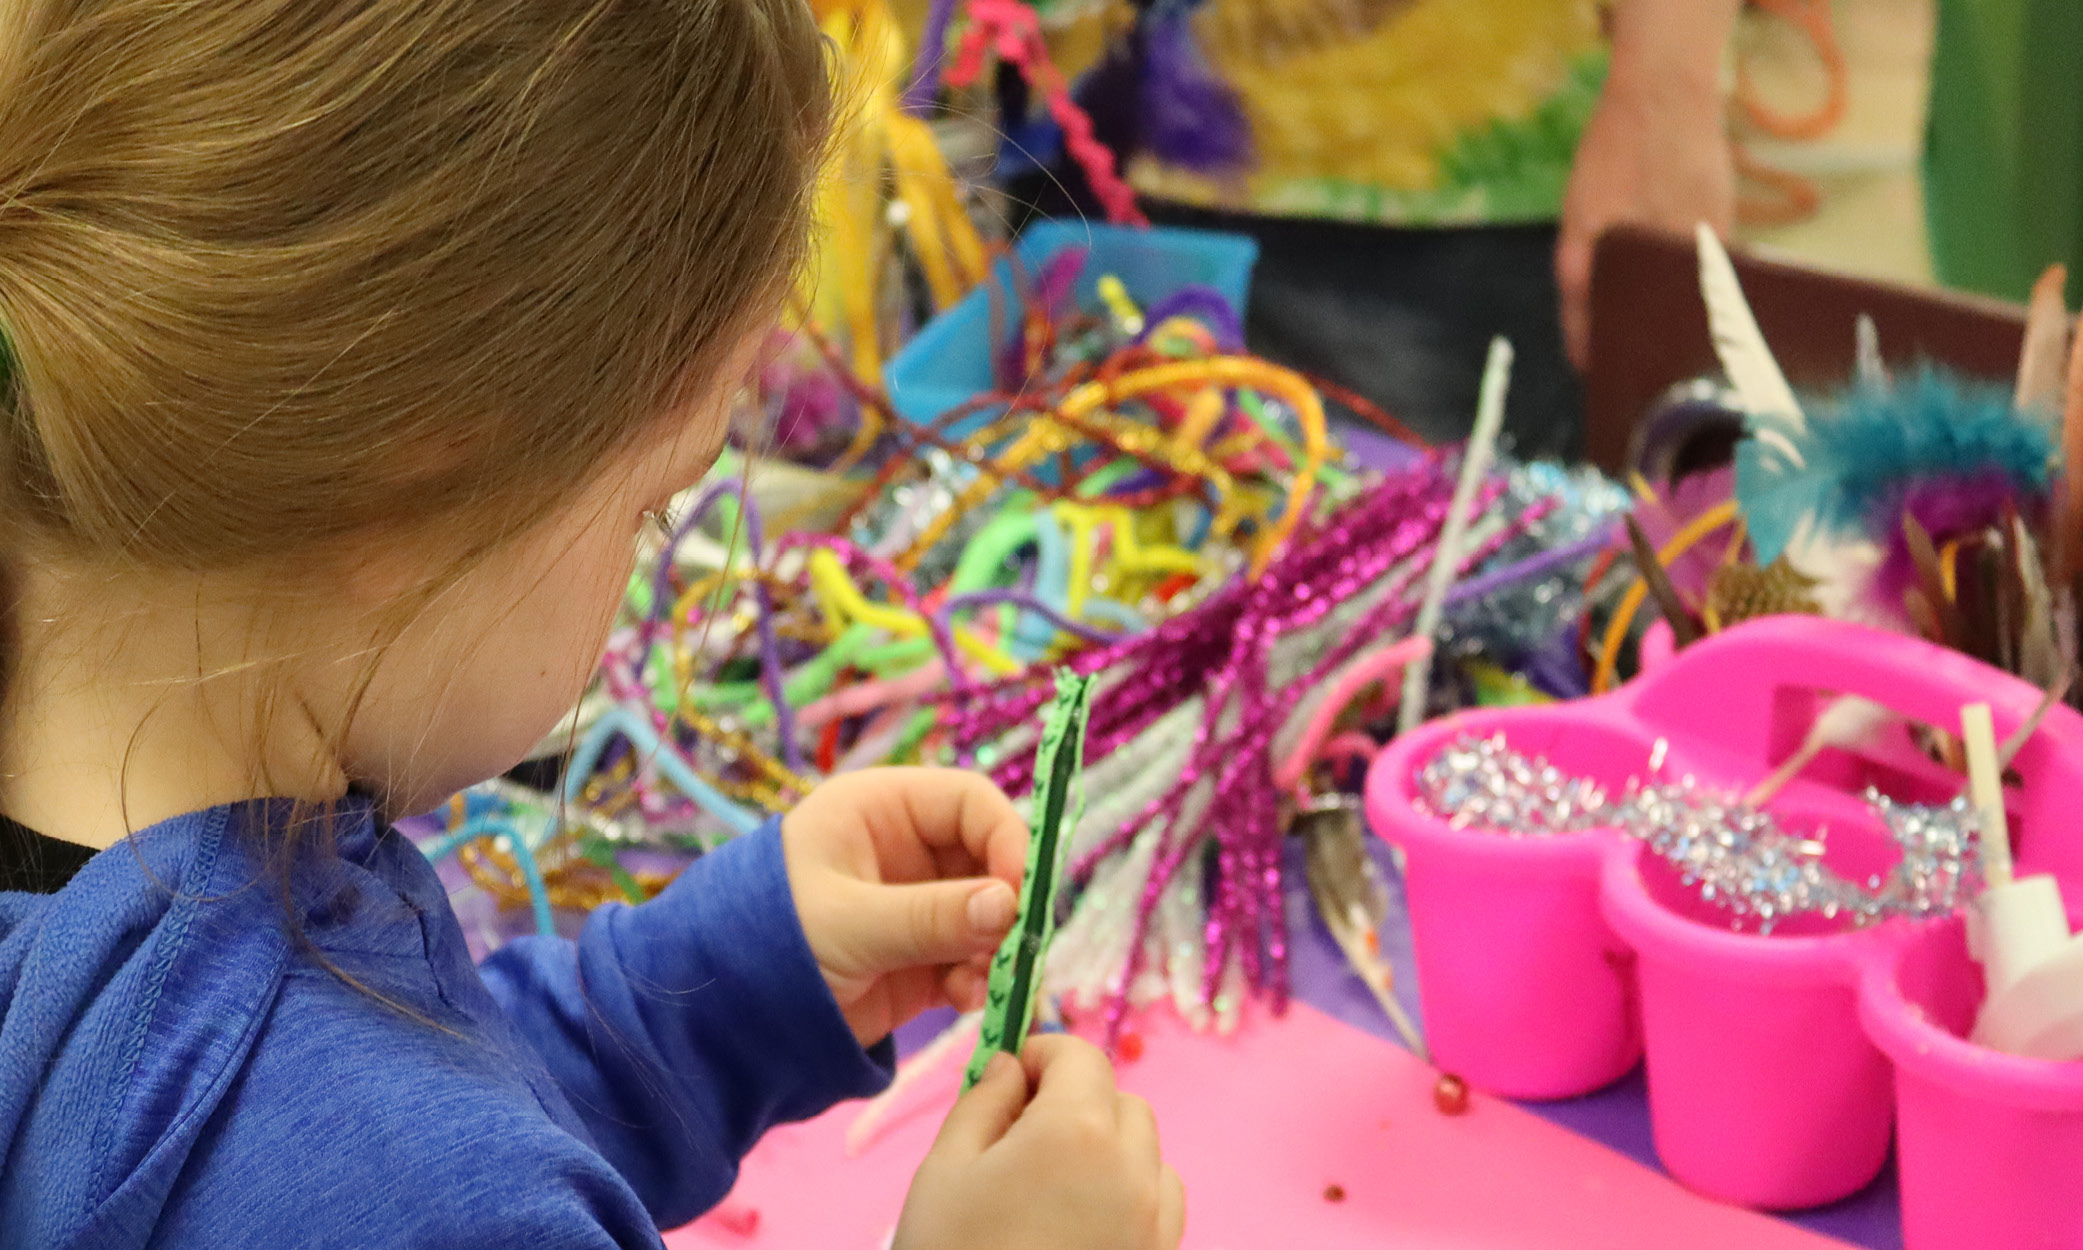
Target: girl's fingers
1171 1211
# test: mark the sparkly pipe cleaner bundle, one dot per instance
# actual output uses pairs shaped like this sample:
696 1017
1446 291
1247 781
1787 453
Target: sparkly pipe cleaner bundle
1181 853
1136 470
1739 857
1151 510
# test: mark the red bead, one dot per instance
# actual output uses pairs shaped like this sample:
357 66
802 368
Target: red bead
1130 1047
738 1219
1450 1095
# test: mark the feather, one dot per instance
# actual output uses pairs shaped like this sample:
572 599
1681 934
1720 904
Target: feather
1684 630
1340 876
1872 366
1849 721
1741 592
1951 631
1922 616
1944 508
2039 642
1353 903
1851 470
1980 590
1745 356
2054 692
2046 348
1662 517
1778 499
2070 536
1841 571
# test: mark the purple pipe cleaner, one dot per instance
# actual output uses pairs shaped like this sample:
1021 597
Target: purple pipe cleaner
925 73
1026 603
769 641
1241 819
1220 649
1205 302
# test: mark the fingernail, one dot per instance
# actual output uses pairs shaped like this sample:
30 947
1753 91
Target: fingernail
991 908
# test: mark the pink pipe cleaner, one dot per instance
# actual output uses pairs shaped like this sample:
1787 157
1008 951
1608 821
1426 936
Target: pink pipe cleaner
1013 31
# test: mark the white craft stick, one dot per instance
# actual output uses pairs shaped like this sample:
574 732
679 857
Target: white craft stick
1985 783
1475 462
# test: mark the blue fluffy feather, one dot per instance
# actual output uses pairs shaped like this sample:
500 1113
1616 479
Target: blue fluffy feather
1867 449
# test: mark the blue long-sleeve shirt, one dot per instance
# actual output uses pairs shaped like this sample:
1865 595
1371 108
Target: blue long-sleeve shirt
177 1069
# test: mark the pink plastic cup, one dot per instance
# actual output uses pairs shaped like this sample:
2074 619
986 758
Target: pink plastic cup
1990 1145
1509 940
1764 1089
1768 1055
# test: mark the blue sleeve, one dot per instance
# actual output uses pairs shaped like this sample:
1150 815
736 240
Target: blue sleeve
683 1029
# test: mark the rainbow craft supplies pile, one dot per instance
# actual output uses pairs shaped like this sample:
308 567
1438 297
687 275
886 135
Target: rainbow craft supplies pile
1158 514
1672 766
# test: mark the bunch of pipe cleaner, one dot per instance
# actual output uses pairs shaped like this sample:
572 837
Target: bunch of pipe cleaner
1739 856
1582 517
1168 521
749 663
1202 727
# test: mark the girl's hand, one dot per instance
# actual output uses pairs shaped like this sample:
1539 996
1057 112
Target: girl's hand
1045 1154
906 880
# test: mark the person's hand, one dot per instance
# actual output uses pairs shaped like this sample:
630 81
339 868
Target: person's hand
1656 151
1045 1154
906 880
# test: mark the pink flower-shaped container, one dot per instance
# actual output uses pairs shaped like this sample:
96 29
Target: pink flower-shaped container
1778 1064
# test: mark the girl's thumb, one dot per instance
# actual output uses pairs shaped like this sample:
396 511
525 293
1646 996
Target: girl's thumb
982 1116
938 922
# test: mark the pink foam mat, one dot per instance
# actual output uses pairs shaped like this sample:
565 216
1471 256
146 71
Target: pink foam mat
1262 1125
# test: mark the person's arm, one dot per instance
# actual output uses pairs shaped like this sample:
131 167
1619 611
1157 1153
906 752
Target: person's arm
682 1029
1656 151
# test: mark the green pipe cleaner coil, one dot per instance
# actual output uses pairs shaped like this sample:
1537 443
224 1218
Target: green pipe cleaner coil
1059 800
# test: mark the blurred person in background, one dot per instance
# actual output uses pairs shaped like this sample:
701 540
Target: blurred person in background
1420 174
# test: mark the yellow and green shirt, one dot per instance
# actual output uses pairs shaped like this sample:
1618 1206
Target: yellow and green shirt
1432 112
